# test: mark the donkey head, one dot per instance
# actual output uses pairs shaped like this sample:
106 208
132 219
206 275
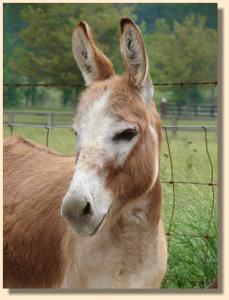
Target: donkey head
118 131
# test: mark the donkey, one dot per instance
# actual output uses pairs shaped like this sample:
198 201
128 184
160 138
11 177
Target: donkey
111 233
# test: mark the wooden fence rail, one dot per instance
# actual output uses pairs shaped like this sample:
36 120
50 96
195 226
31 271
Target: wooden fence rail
51 119
204 110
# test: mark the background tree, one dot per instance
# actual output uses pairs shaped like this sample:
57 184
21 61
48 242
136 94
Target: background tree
149 14
185 53
46 54
37 46
12 26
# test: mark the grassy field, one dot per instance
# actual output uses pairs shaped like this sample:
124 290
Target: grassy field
192 258
190 210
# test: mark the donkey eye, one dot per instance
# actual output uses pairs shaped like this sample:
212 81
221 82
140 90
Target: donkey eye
125 135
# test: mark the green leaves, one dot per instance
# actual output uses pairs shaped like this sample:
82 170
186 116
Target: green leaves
37 43
47 38
185 53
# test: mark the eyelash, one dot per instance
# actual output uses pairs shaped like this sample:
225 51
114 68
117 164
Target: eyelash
126 135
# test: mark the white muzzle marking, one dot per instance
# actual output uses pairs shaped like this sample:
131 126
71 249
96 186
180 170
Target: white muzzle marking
86 203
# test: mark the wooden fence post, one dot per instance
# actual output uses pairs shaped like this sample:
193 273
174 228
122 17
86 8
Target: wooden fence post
50 119
163 107
174 123
212 111
10 117
196 110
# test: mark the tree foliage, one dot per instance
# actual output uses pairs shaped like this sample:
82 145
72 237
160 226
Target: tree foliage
171 12
46 53
187 53
37 43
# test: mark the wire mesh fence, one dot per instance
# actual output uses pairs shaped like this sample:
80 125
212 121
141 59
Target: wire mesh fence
196 267
206 236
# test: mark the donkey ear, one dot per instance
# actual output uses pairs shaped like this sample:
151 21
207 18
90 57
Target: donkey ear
135 58
93 64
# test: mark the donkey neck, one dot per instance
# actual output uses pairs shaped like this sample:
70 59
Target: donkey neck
143 211
130 244
137 231
126 245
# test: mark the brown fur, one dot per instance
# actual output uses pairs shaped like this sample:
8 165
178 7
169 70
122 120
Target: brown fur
38 244
130 250
31 219
126 104
136 173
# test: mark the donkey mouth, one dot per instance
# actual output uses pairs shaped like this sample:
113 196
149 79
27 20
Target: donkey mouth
98 226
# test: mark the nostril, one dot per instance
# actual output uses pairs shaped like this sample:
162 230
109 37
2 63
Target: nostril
87 209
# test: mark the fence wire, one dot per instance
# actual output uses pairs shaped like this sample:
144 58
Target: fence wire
62 85
174 183
206 281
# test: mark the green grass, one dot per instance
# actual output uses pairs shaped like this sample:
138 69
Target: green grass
192 257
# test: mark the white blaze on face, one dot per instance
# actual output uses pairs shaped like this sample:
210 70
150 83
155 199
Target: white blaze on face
86 187
96 127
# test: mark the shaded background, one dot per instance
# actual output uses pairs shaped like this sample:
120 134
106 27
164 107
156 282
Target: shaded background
181 41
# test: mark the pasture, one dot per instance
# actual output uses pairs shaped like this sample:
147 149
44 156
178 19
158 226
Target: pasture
189 209
186 96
